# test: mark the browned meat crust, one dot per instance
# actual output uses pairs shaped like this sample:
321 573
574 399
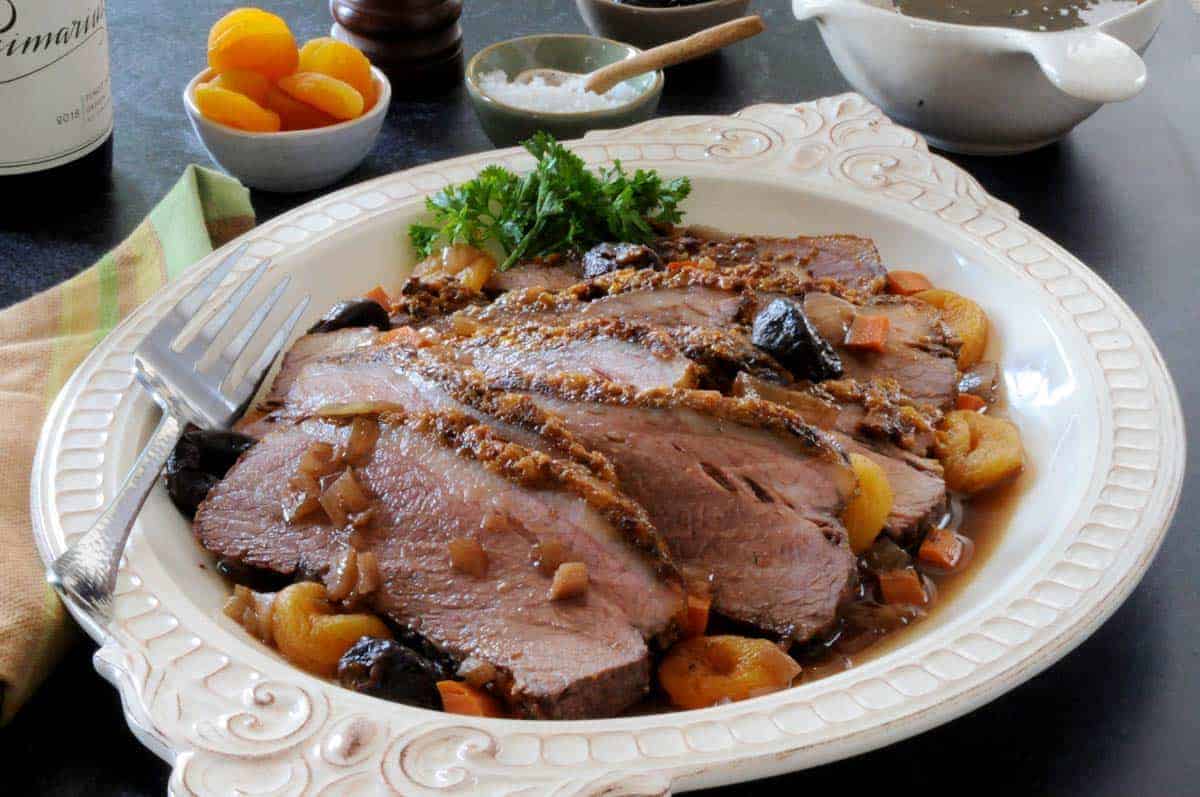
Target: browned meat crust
848 261
421 301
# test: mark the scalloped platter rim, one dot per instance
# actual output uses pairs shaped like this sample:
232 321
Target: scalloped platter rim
1084 381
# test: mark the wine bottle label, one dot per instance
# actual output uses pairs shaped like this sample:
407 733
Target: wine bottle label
55 99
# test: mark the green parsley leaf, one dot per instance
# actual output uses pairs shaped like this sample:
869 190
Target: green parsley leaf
560 205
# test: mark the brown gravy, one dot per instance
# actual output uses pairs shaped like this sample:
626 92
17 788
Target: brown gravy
983 520
1032 15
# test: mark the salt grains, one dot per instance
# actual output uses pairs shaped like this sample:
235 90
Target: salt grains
567 97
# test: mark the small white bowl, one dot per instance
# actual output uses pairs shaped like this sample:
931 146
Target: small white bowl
295 160
984 90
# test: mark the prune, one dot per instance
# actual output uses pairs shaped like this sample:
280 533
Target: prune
603 258
357 313
386 669
783 330
335 97
200 460
255 578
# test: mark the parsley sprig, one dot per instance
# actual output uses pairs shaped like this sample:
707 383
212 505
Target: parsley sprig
560 205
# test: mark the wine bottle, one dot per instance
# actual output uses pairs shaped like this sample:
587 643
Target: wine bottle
56 115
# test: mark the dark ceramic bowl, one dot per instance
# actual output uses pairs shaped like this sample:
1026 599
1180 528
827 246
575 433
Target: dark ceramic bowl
650 27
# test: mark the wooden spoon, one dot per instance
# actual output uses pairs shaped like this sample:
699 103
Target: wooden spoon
676 52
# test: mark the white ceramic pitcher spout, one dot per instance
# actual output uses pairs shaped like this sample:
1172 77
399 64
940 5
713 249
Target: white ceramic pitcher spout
1086 63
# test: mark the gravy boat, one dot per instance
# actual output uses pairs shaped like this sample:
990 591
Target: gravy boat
984 90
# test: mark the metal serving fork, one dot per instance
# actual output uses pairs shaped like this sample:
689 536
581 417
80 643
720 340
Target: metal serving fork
189 391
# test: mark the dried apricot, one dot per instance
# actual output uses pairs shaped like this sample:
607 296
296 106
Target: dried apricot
704 670
343 61
236 110
978 451
296 115
867 512
335 97
967 319
253 39
244 82
310 635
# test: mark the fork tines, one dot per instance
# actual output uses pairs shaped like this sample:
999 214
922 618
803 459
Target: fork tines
212 391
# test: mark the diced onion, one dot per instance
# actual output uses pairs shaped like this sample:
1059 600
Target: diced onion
473 266
252 611
301 498
317 460
343 575
368 574
476 672
547 555
364 432
570 581
467 556
352 409
343 497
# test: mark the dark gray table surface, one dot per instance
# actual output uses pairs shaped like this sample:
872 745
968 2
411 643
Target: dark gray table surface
1118 716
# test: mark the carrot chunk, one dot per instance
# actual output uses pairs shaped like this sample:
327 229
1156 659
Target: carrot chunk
868 332
462 698
969 401
695 616
405 336
906 283
902 586
941 548
380 296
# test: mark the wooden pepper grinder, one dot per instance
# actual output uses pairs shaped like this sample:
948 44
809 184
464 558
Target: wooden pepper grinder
418 43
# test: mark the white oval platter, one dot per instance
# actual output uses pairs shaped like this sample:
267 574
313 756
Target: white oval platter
1095 404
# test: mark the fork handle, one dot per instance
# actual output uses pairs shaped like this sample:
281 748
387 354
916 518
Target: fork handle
87 572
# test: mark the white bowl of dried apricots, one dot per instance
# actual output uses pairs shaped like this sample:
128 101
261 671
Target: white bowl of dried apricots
281 117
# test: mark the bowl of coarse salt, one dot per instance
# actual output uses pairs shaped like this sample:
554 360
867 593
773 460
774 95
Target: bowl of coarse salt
512 110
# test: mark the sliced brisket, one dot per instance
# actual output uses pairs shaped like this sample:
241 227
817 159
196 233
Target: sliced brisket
919 355
608 348
745 494
866 420
439 477
849 260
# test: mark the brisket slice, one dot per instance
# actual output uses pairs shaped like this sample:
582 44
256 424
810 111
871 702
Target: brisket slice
607 348
629 353
874 411
409 378
745 494
844 262
848 260
438 477
867 420
553 272
690 296
919 355
312 347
